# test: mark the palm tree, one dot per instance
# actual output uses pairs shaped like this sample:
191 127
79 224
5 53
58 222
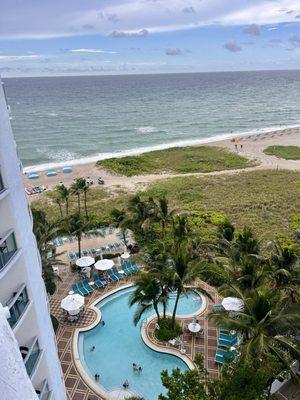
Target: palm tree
246 243
77 225
63 193
147 295
121 221
184 272
57 200
85 189
77 188
45 232
266 324
141 212
162 213
285 273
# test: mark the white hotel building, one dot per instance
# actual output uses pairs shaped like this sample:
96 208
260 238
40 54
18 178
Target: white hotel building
27 342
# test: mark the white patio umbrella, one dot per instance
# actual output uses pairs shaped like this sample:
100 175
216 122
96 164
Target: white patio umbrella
125 256
232 304
85 261
104 265
72 303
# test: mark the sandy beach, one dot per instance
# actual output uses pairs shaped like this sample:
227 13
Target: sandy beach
250 146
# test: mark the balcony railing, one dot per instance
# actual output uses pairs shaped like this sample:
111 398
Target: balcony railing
17 305
8 247
44 393
31 356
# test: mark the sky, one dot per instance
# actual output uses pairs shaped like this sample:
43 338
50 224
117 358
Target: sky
74 37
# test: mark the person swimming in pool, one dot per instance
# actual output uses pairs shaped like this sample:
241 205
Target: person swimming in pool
92 348
135 367
125 384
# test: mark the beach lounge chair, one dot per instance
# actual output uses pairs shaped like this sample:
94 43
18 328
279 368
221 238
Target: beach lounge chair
218 308
127 271
98 282
79 289
113 277
72 256
86 285
228 337
224 355
116 273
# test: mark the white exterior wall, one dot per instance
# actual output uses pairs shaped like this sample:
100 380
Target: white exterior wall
14 214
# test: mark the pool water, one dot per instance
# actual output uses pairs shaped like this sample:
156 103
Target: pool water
118 344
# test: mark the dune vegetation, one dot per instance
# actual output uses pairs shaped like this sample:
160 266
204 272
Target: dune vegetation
179 160
286 152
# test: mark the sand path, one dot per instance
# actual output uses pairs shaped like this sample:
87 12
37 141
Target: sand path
253 147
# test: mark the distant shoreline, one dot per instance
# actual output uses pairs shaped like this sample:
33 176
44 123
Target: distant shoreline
141 150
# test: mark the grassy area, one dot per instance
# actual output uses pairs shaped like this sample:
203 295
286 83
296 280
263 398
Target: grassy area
177 160
286 152
264 200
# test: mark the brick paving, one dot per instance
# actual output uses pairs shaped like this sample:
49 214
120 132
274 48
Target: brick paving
76 387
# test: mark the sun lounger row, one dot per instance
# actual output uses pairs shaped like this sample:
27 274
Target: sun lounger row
226 341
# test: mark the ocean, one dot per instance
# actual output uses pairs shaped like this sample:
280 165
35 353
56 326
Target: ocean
85 118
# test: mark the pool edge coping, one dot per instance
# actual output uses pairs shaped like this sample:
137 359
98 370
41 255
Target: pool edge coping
75 348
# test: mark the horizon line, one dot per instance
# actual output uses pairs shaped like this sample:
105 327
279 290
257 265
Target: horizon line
147 73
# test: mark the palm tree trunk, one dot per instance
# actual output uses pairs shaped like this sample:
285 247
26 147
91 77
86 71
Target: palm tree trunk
78 201
85 204
175 306
163 226
67 206
60 209
79 245
157 312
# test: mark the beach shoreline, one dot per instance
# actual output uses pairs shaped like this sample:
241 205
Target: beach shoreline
250 146
213 140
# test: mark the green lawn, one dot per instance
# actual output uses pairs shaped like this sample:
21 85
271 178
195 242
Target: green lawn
264 200
176 160
287 152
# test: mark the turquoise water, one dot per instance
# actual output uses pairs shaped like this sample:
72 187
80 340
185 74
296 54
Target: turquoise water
91 117
118 344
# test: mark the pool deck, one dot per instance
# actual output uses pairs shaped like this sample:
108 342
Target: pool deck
77 388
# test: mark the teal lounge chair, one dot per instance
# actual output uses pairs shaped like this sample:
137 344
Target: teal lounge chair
87 286
79 289
98 282
116 272
113 277
72 256
218 308
228 337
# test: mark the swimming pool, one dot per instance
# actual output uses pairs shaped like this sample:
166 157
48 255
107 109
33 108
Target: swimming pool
118 344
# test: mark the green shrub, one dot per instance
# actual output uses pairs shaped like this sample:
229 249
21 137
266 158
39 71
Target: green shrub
55 322
166 331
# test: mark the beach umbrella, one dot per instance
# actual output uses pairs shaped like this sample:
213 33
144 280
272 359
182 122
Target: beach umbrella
125 256
232 304
72 303
104 265
85 261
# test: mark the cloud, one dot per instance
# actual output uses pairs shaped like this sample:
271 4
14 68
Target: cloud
297 16
20 58
248 43
252 30
134 34
41 19
295 40
92 51
275 40
88 27
232 46
189 10
173 52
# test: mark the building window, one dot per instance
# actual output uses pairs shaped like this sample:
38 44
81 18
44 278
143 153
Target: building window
17 305
30 356
8 247
1 184
44 393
